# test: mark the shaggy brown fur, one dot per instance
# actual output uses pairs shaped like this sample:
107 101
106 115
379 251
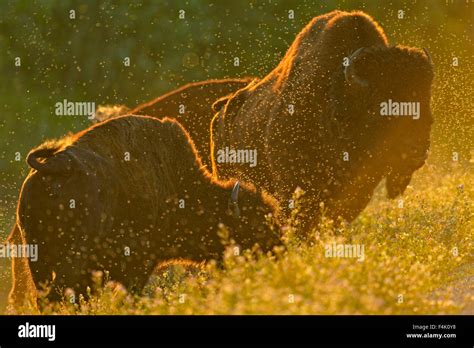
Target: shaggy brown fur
336 114
162 204
196 98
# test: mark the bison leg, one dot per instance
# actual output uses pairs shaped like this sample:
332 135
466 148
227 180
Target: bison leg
22 296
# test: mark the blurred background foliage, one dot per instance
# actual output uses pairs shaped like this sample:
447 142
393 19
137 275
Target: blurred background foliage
82 59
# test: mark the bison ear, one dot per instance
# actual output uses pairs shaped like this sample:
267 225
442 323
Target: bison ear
396 184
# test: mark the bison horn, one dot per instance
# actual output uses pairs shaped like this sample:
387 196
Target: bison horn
233 205
428 55
234 196
349 73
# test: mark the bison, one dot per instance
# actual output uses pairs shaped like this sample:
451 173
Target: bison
189 104
316 120
124 196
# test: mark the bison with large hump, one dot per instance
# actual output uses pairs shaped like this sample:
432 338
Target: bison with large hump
316 120
190 104
124 196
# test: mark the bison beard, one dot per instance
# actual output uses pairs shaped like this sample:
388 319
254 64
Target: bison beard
316 124
196 98
161 205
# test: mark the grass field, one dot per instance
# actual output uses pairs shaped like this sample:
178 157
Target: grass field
418 254
418 260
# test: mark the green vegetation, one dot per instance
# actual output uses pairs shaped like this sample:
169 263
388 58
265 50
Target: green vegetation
418 260
409 250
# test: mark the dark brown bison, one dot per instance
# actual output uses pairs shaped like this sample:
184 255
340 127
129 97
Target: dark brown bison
317 120
126 195
189 104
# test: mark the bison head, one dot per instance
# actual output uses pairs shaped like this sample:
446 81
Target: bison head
54 212
387 91
252 217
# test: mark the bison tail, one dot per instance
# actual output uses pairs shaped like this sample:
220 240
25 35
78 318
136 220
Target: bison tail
49 160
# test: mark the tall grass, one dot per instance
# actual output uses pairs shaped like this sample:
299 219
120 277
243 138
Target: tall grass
418 260
410 264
